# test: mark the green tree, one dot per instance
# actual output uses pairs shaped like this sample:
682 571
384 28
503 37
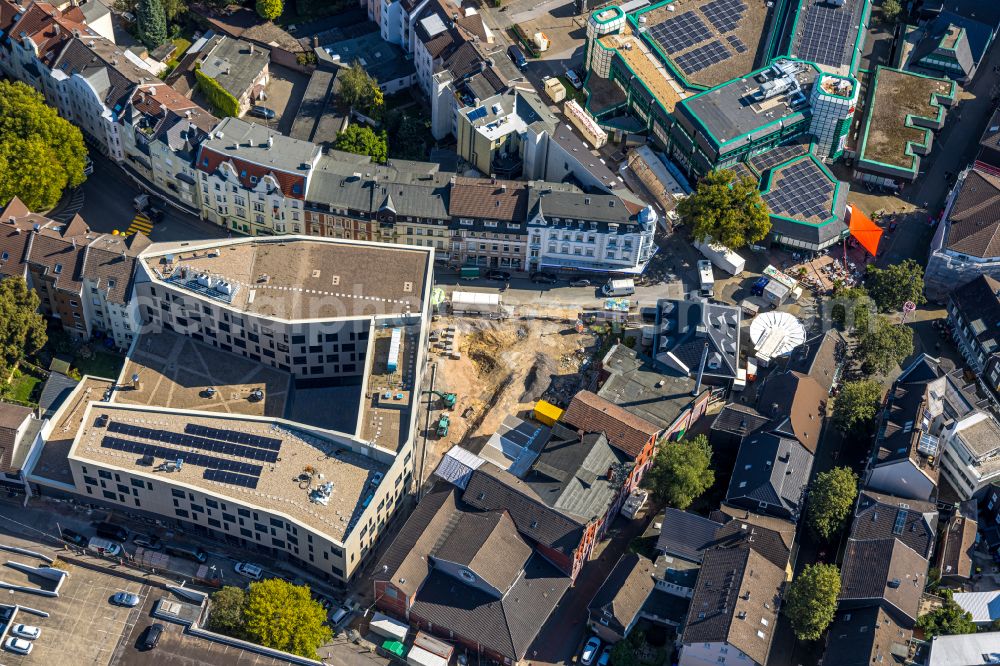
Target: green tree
226 616
360 90
851 308
222 101
883 346
41 154
857 405
681 472
948 620
727 210
811 600
624 652
362 140
152 22
891 287
409 137
891 10
269 9
22 329
830 499
283 616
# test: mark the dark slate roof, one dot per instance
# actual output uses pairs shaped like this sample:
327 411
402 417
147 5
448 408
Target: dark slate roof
979 303
685 326
739 419
756 532
686 535
737 589
931 44
876 518
796 404
957 545
634 384
821 357
507 625
572 473
57 388
624 592
770 475
492 489
974 219
865 636
886 572
488 545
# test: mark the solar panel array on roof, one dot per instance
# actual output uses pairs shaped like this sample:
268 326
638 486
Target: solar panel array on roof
725 15
476 114
698 59
736 43
183 439
678 33
803 191
234 436
778 155
826 34
170 453
231 478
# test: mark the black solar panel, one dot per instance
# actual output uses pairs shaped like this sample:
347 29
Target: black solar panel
704 56
778 155
725 15
827 34
168 453
183 439
803 191
234 436
231 478
678 33
736 43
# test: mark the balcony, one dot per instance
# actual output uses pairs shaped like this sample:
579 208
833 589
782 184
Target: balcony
506 166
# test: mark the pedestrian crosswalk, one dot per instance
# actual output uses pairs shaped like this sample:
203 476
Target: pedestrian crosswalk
140 223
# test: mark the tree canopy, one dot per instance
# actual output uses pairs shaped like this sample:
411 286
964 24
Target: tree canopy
830 500
284 616
883 346
226 616
360 90
891 287
409 136
269 9
811 600
40 153
891 10
726 209
948 620
362 140
681 472
152 21
22 329
851 308
857 405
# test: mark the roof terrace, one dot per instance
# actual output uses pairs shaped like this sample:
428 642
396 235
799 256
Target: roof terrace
647 66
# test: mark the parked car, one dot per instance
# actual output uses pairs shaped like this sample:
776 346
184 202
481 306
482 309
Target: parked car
156 212
338 615
590 650
517 56
605 656
127 599
262 112
190 552
502 276
88 166
542 277
26 631
19 645
582 282
150 541
152 637
75 538
112 531
249 570
574 79
893 225
105 546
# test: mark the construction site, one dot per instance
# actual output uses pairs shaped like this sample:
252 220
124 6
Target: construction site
493 368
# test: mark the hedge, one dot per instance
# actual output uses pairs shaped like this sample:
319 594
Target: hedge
222 102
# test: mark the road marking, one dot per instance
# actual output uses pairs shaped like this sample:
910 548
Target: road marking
140 223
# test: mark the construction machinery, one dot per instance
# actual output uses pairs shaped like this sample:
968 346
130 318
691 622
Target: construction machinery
442 425
447 399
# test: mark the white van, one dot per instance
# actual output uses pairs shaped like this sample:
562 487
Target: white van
105 546
618 288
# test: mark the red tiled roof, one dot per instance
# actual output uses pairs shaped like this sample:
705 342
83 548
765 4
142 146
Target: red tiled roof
245 170
485 198
625 431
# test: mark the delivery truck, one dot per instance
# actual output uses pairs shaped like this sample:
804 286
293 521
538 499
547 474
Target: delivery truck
706 279
622 287
722 257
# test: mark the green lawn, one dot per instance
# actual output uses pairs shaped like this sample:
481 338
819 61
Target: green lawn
26 388
572 93
101 364
182 46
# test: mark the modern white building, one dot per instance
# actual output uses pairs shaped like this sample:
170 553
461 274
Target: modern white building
833 100
971 458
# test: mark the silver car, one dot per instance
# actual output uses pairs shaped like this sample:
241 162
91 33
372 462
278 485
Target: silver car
125 599
26 631
19 645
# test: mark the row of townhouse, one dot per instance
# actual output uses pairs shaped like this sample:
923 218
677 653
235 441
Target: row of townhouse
83 279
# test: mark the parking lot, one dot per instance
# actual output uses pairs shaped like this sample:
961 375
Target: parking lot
284 95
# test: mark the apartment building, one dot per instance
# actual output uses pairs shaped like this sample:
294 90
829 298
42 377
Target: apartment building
253 179
488 223
239 67
83 279
971 454
974 316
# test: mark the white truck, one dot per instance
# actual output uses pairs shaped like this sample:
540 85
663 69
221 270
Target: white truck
706 279
622 287
472 302
722 257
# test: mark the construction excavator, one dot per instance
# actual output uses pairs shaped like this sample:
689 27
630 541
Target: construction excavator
447 399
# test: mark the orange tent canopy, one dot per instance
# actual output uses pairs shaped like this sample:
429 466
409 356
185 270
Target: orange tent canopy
866 232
